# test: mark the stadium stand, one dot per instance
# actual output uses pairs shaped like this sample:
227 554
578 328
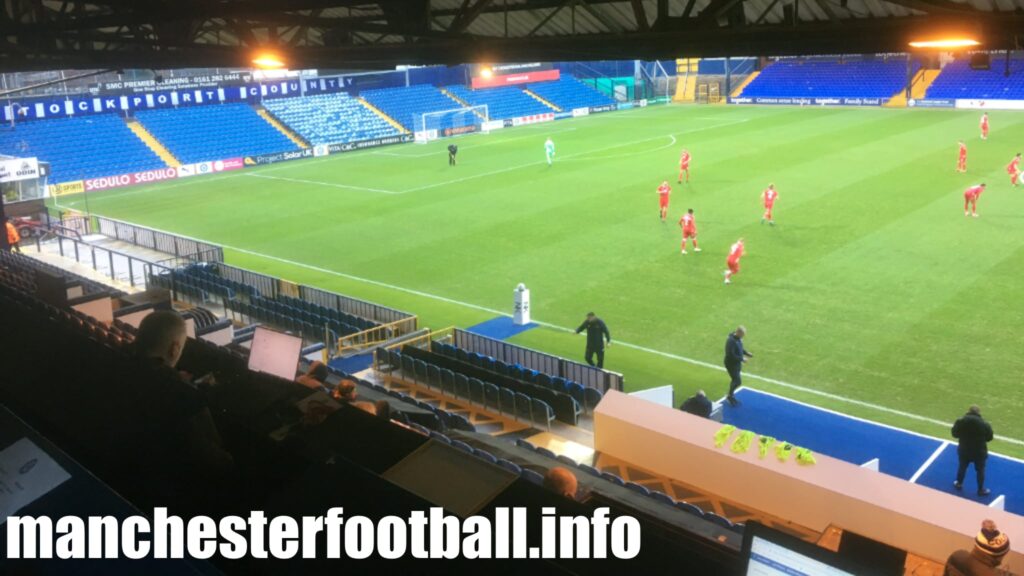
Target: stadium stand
330 118
80 148
958 80
584 396
502 103
567 93
407 105
214 132
517 399
830 79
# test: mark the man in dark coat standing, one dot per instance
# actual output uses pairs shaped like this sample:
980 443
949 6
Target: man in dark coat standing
452 151
597 334
974 434
735 356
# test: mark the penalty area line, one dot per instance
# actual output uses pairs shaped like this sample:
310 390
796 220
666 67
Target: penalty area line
637 347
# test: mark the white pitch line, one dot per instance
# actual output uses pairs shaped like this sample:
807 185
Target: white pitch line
317 183
928 462
471 146
693 361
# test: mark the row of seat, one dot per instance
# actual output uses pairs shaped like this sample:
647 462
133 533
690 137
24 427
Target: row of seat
568 93
489 396
407 106
28 265
330 118
447 420
587 397
959 80
197 288
300 305
310 329
655 495
504 102
79 148
830 79
214 132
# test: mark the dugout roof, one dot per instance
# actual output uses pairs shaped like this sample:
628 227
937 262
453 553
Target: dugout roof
353 34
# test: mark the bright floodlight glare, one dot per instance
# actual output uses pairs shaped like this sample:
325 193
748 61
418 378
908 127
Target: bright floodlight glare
486 72
268 61
947 43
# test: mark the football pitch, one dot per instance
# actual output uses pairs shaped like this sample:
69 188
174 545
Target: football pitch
872 296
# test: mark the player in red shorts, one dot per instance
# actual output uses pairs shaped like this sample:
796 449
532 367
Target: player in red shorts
663 192
971 199
984 125
1013 169
689 226
684 166
733 261
961 159
769 196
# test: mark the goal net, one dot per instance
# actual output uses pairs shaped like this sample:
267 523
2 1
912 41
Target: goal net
430 126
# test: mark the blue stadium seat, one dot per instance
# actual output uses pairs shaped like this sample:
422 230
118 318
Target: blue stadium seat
507 402
532 476
447 382
591 397
502 103
546 452
510 466
492 397
716 519
663 498
829 78
525 444
330 118
541 412
568 93
462 446
566 460
614 479
80 148
485 455
638 488
214 132
461 385
440 437
523 407
959 81
689 508
476 391
408 104
590 470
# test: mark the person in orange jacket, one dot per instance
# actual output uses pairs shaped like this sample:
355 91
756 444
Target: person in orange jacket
13 238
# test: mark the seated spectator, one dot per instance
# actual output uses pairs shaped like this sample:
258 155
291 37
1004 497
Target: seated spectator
345 391
561 481
159 343
161 338
315 377
990 547
366 406
698 405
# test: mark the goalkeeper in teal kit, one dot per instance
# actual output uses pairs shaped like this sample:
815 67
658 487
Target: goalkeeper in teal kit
549 150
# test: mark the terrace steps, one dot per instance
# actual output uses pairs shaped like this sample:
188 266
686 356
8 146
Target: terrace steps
155 145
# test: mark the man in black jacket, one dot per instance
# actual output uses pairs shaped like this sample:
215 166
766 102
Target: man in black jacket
597 334
974 434
698 405
735 356
452 151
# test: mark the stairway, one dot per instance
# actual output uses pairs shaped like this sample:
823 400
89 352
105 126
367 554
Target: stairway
538 98
159 149
686 79
746 81
280 127
384 116
462 103
918 87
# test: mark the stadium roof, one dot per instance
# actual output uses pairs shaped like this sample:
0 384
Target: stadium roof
51 34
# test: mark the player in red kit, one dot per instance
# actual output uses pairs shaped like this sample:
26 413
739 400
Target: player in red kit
684 166
663 192
971 199
769 196
961 159
733 261
1013 169
984 125
689 226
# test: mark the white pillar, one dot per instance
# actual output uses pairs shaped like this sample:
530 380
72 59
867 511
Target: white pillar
521 305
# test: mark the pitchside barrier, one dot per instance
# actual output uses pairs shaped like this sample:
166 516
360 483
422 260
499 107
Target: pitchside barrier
584 374
156 240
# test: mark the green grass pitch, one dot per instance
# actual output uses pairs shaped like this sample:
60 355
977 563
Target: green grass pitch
874 294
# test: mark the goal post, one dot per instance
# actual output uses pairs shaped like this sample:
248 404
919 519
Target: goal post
430 126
